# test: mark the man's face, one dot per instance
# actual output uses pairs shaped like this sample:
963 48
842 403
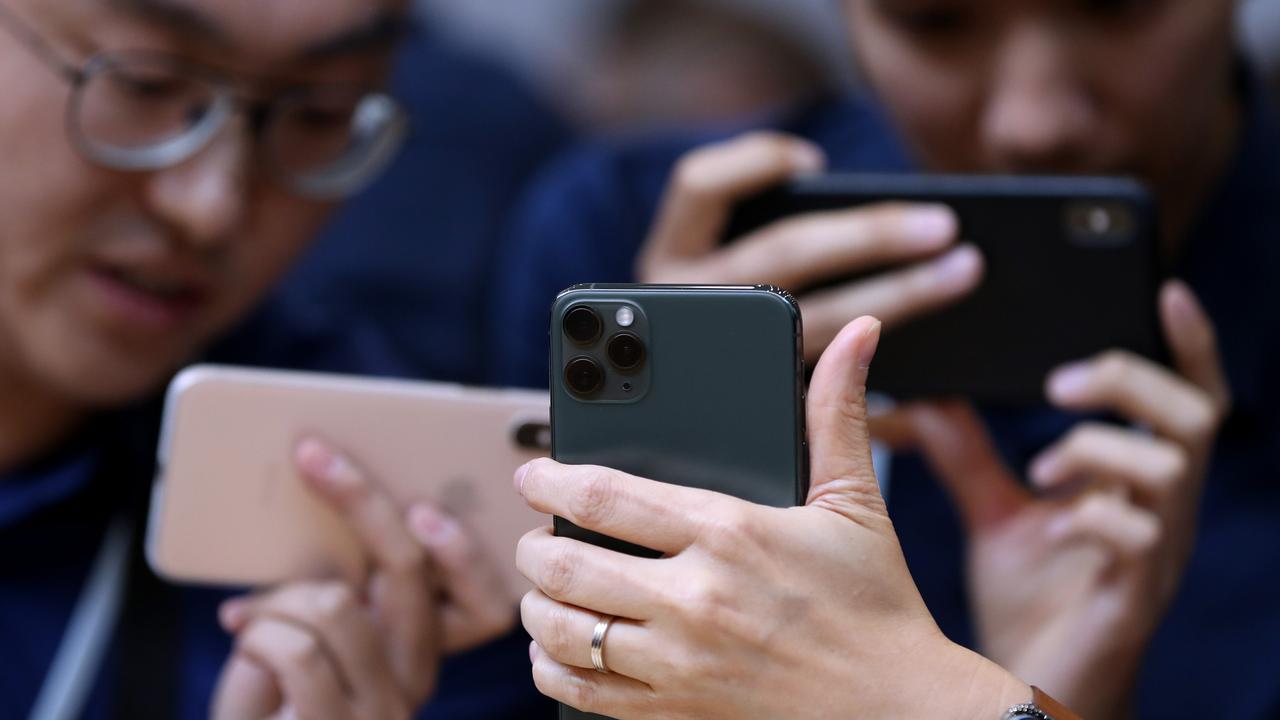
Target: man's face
1053 86
110 280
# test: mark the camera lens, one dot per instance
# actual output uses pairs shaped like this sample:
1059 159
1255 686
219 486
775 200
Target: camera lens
582 325
626 352
584 376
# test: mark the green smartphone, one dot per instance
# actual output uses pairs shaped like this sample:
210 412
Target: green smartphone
695 386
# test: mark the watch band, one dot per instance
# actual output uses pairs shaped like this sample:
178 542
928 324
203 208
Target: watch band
1041 707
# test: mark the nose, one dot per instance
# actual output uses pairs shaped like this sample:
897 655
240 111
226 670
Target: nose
1039 116
205 198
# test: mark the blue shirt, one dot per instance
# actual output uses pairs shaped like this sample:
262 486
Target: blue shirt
53 515
1217 652
414 253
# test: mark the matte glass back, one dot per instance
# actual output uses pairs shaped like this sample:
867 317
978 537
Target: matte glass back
1071 270
723 408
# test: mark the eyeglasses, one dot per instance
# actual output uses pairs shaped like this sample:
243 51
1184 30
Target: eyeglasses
144 111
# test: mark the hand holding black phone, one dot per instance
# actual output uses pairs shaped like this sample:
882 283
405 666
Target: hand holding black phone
1071 269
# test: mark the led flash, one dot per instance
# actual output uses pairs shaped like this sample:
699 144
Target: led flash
625 317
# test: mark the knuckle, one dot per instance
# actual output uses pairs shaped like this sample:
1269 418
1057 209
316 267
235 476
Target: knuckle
333 602
916 284
537 474
583 694
559 571
303 651
593 500
1203 418
884 223
1095 508
1079 438
775 145
1152 536
1113 368
729 532
528 604
1173 464
559 634
694 175
704 605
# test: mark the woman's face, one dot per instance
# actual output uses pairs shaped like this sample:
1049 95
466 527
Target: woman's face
1133 87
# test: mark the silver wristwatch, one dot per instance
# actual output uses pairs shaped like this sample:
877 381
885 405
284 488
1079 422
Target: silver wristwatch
1026 711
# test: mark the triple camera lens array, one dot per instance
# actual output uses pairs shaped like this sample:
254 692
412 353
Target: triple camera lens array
584 375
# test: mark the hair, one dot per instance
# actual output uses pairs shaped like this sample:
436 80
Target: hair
645 25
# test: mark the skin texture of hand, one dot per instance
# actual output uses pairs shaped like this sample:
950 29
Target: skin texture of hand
754 612
334 650
797 253
1068 585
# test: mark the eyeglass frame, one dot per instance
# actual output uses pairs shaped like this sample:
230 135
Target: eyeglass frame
227 101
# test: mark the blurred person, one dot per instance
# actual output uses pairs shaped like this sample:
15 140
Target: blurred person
1167 566
671 63
165 161
415 252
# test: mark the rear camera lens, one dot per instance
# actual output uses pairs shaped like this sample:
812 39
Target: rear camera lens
584 376
582 325
626 352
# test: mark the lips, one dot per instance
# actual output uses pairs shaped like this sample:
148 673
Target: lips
148 297
167 288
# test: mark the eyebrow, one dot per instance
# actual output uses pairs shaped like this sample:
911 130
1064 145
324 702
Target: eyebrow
178 17
381 32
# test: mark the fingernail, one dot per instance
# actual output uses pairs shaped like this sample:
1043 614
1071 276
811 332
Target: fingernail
931 225
807 158
231 614
533 652
1043 469
959 269
1181 303
1068 382
318 461
521 473
870 343
430 526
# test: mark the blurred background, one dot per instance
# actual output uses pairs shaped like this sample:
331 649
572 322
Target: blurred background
611 64
620 63
501 87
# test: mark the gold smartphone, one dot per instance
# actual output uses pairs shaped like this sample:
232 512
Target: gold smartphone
229 507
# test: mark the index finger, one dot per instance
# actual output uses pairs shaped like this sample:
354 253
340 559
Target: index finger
1139 390
662 517
404 592
707 182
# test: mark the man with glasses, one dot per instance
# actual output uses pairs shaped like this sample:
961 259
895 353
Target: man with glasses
163 163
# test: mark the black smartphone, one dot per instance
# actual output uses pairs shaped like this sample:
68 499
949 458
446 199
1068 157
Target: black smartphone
696 386
1072 269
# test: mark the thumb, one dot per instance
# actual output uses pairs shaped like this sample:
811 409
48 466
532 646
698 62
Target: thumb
960 452
1193 342
843 478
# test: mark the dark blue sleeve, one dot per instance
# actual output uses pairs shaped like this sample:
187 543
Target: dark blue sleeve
415 252
583 222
